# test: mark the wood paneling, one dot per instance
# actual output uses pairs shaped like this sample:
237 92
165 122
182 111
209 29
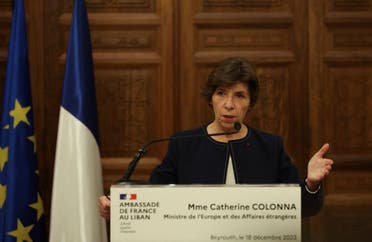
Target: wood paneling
152 57
132 53
113 169
272 34
267 32
5 21
340 81
349 220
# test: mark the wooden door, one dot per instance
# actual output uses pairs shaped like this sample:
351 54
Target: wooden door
133 58
152 57
340 71
273 35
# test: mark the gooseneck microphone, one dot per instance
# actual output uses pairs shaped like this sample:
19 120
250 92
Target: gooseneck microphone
132 165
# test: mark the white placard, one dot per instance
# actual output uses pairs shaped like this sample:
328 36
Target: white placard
177 213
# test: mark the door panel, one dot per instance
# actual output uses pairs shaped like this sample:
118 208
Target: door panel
152 57
132 54
340 113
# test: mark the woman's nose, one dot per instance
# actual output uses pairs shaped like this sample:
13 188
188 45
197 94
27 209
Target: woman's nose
229 104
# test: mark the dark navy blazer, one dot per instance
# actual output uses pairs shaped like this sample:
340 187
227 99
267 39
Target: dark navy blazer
258 158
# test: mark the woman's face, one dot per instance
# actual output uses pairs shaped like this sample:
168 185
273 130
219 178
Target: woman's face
230 105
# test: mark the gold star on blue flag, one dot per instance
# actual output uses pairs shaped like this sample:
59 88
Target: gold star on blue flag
21 209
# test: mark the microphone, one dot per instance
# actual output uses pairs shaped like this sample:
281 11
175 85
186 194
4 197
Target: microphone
132 165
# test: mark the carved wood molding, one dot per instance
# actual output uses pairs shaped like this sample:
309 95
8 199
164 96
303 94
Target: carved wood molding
121 58
259 19
342 18
348 199
343 57
113 168
241 3
267 57
115 19
347 161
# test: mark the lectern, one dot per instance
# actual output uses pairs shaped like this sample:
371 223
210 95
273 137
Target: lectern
201 213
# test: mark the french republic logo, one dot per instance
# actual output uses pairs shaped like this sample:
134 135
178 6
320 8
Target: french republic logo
125 196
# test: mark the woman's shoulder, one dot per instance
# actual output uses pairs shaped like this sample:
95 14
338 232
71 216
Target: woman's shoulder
195 131
269 141
263 135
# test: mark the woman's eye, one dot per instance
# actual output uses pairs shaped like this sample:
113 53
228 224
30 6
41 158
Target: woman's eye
220 93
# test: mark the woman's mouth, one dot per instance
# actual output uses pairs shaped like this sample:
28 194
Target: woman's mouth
229 118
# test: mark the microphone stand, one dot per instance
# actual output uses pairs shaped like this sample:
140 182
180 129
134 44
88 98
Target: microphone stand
132 165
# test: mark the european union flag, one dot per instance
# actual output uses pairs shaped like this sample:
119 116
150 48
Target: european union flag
21 208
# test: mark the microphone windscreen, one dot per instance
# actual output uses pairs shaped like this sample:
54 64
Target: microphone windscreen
237 126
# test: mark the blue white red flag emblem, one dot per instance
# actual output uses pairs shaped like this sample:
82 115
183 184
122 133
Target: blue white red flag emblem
125 196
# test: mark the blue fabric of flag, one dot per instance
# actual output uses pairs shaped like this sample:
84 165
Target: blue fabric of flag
78 96
77 149
21 210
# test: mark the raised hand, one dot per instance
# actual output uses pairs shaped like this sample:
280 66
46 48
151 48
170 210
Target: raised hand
318 167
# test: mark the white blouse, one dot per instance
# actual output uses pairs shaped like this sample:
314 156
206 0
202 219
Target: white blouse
230 176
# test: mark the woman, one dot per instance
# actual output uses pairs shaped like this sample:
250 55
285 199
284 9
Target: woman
249 156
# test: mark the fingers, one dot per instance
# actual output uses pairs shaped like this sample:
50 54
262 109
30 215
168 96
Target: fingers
326 166
319 167
323 150
327 162
104 207
326 171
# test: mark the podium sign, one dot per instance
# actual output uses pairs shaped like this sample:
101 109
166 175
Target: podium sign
196 213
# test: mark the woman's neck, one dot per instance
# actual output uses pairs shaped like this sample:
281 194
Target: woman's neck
214 128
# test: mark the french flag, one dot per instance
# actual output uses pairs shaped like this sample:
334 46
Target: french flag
132 196
77 181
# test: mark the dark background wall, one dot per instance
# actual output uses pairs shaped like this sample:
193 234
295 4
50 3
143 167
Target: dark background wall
313 58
